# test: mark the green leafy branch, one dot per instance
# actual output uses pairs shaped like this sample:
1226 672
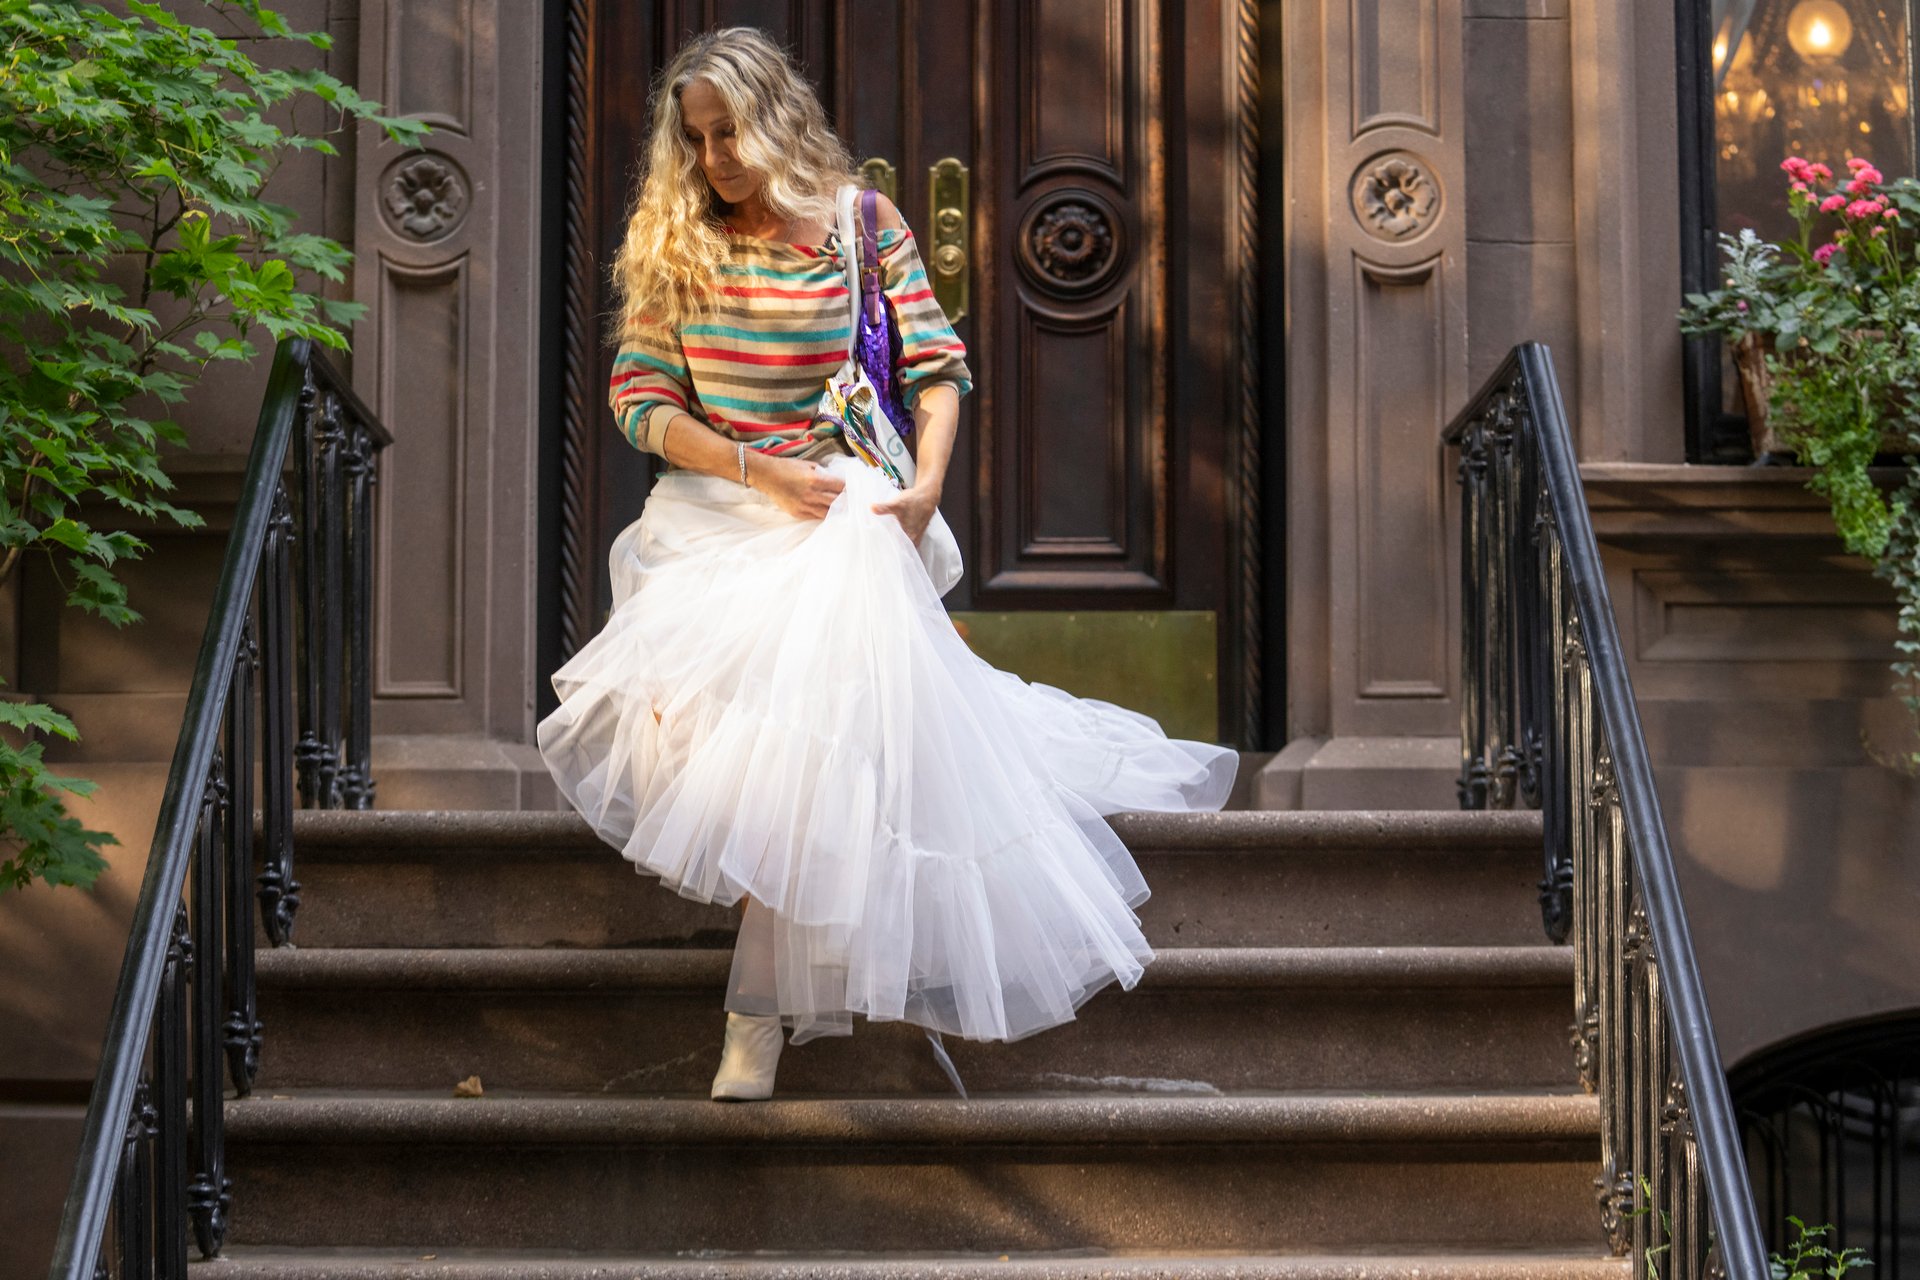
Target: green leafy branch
136 251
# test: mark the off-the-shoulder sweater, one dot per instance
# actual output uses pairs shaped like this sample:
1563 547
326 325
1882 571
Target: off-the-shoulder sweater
753 369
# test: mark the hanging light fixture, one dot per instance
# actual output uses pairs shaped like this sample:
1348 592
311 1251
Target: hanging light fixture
1819 31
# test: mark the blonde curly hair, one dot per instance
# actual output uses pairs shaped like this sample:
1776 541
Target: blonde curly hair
665 268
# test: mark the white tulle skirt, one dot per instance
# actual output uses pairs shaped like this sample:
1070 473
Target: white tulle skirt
782 708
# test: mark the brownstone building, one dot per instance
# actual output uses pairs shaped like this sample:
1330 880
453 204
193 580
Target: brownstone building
1225 272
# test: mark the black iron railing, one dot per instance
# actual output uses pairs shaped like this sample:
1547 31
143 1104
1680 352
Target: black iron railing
1548 720
182 1024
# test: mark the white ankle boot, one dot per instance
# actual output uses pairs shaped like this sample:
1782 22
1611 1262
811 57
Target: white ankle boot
748 1057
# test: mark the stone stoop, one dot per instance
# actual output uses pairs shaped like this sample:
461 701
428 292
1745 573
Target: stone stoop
1349 1060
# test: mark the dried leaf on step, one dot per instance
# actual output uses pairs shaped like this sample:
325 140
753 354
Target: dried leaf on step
468 1088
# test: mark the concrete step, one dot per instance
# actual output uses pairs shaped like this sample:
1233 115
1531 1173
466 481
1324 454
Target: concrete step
256 1263
483 878
1301 1172
1202 1020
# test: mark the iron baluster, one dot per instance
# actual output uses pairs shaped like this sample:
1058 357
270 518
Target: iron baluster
135 1217
1473 570
323 605
315 461
206 881
279 891
356 779
170 1057
240 1030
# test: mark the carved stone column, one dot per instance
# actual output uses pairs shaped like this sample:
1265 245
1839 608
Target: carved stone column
1381 362
447 243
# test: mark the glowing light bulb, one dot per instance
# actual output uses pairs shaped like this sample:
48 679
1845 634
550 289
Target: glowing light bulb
1819 31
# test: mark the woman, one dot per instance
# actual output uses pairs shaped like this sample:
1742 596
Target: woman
779 712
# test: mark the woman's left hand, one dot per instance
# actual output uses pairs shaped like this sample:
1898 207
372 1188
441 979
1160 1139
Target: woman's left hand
914 506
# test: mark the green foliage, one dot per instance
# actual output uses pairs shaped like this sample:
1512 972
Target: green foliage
135 252
46 841
1807 1258
1843 319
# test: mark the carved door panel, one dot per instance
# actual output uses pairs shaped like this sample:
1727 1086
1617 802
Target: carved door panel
1096 465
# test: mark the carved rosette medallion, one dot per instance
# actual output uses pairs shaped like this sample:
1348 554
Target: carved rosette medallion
424 196
1395 196
1071 242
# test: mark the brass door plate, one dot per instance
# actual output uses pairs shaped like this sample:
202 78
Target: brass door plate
948 262
1161 664
879 174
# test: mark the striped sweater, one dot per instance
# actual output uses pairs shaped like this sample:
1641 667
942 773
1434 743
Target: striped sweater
753 368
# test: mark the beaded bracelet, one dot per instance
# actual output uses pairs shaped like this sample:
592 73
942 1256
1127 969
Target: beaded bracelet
741 449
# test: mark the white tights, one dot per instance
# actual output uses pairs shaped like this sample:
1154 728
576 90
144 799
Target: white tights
750 986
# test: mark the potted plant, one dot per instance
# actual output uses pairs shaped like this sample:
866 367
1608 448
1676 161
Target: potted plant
1825 334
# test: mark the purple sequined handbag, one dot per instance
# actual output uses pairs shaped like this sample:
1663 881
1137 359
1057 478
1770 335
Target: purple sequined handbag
854 399
877 344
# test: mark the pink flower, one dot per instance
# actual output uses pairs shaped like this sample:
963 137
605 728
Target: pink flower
1833 203
1856 163
1824 253
1740 306
1796 168
1877 231
1891 214
1820 172
1800 186
1865 208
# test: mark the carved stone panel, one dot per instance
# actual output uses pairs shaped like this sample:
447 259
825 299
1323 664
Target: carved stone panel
447 260
1394 313
419 586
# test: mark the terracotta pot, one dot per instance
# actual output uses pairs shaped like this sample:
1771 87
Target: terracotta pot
1756 389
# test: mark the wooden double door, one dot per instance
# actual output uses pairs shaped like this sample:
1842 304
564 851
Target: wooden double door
1077 175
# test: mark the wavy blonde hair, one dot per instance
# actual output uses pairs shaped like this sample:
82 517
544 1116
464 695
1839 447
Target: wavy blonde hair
664 271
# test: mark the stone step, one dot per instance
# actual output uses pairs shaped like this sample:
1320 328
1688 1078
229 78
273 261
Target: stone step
1264 1173
483 878
1201 1020
258 1263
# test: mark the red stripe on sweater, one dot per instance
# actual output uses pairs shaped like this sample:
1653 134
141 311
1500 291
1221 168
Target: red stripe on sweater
774 291
756 357
745 430
620 380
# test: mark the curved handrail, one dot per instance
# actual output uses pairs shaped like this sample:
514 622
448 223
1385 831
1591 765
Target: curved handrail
1549 718
137 1154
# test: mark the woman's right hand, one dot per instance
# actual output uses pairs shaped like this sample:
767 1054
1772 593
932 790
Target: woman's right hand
802 489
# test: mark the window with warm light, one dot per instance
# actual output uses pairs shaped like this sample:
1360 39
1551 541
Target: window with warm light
1762 80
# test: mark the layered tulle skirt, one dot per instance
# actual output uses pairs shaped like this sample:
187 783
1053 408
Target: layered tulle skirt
781 708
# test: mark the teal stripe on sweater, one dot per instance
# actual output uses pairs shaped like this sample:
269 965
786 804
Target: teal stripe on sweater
651 361
767 406
825 270
777 336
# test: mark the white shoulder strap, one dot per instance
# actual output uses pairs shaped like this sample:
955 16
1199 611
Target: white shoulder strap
850 253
